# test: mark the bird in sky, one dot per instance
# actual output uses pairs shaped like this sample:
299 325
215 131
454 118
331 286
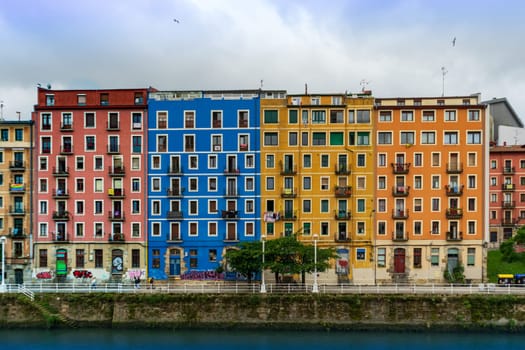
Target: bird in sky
454 41
176 20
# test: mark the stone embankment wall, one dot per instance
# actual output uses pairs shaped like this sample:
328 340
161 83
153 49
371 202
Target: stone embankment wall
277 311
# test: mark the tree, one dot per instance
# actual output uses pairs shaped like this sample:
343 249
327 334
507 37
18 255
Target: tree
246 260
508 253
307 258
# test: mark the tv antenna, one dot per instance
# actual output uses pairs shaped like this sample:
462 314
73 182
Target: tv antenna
2 110
363 84
444 72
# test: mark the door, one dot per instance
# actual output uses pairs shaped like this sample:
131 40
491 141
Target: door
454 162
399 260
174 262
19 276
452 259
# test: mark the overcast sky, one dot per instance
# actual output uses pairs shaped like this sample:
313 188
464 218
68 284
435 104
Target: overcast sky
398 47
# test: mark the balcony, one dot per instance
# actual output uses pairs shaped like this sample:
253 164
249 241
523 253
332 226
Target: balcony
115 215
61 171
342 237
116 193
116 171
454 236
454 168
230 214
232 171
60 193
400 168
113 149
66 149
66 127
454 213
175 192
454 190
116 238
342 215
59 236
400 191
400 236
288 169
18 233
61 215
508 222
289 215
17 188
231 193
289 193
342 169
343 191
508 187
400 214
508 204
17 211
174 215
175 170
509 170
17 165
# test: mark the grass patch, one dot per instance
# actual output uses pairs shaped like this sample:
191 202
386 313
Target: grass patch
496 265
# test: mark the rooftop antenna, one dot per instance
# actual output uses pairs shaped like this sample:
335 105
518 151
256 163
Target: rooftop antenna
444 72
18 114
261 84
363 84
306 88
2 110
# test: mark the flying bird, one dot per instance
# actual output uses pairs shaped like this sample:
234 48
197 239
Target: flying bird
176 20
454 41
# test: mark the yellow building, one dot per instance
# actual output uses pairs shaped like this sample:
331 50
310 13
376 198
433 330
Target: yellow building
317 177
15 198
431 201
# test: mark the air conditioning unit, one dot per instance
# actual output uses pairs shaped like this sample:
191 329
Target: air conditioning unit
217 148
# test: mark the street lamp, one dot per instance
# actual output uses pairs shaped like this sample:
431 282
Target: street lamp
2 286
315 288
263 285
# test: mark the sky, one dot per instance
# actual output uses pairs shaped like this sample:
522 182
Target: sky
393 47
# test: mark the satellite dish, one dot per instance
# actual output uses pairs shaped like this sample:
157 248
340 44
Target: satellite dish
49 86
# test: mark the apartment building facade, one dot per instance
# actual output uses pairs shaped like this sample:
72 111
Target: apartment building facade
317 176
203 161
506 192
16 210
89 192
430 197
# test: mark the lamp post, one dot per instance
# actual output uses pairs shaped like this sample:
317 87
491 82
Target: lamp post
263 285
315 287
2 287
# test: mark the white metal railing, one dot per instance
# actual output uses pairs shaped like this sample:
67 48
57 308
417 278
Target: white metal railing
217 287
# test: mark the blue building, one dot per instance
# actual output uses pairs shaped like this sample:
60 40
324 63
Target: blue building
203 179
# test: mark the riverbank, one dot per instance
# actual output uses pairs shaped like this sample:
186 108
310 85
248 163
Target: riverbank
271 311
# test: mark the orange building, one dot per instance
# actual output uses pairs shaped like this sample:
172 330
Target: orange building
430 188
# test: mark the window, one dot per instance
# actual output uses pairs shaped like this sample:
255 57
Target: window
135 185
450 116
381 182
135 206
381 159
318 117
304 138
193 184
381 228
336 117
249 183
319 138
434 256
98 207
324 206
417 227
435 204
42 257
194 207
385 116
307 206
307 160
417 258
471 256
307 228
435 159
418 206
428 137
471 204
270 183
50 100
360 254
428 116
79 207
384 138
292 139
361 160
324 160
193 228
418 182
155 184
471 158
471 225
363 138
435 227
336 139
363 116
381 205
473 115
493 164
407 116
79 163
79 258
361 183
407 138
271 117
307 183
361 206
45 121
19 135
324 183
418 159
271 138
451 138
474 137
292 116
381 257
137 144
46 145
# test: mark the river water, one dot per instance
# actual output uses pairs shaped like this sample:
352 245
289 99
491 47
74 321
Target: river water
102 339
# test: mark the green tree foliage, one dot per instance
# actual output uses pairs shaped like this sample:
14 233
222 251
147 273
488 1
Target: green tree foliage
506 248
246 260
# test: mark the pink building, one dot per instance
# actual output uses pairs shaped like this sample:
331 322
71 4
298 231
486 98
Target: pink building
89 183
506 192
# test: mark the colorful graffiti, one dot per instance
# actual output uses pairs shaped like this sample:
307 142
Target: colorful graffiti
136 274
45 275
82 274
202 276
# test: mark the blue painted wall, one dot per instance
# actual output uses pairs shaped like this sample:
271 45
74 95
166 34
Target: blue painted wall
198 247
